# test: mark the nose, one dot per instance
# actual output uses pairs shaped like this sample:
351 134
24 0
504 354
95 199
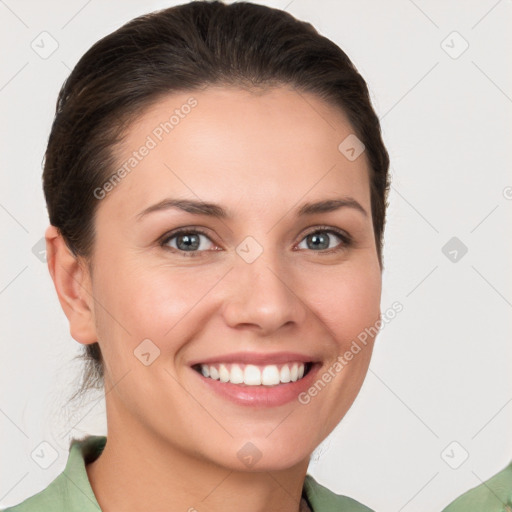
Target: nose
263 296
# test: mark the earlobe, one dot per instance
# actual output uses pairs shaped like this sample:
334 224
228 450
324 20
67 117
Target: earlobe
73 285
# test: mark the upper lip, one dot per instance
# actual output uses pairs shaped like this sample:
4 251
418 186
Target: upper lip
257 358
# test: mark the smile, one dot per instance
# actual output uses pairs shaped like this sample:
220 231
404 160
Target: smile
254 375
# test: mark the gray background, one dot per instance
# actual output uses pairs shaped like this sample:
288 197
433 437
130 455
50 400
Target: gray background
439 387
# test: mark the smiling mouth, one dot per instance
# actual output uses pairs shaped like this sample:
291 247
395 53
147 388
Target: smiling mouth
255 375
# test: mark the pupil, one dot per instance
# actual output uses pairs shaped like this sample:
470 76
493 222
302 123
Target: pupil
190 244
323 244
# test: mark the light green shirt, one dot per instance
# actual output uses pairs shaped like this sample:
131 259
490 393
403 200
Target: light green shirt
493 495
71 490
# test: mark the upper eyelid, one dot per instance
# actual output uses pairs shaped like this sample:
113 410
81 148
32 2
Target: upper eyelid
171 234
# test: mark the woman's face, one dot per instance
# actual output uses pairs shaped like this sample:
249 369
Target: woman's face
261 286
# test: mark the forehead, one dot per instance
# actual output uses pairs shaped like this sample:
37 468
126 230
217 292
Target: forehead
242 148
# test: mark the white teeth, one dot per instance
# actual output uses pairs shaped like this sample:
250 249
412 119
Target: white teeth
270 375
252 375
237 375
285 373
294 372
223 373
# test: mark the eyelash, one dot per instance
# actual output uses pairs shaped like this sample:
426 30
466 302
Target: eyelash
346 240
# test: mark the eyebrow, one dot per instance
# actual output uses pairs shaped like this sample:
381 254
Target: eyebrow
217 211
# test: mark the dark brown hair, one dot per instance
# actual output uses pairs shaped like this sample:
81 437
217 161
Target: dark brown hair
185 48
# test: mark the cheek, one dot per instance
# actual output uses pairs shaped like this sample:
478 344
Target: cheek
347 302
149 301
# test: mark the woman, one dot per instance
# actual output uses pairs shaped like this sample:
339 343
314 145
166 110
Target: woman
216 183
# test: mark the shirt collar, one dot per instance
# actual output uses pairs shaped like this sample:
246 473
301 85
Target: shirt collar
79 494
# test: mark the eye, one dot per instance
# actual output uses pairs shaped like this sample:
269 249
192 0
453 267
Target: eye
319 240
188 242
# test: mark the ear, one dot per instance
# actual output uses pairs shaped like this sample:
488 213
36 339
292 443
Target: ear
72 282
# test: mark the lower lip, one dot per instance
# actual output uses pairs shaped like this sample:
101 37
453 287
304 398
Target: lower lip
261 396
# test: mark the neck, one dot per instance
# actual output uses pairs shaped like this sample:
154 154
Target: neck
138 470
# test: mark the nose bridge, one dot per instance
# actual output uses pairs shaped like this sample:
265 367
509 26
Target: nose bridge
262 291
